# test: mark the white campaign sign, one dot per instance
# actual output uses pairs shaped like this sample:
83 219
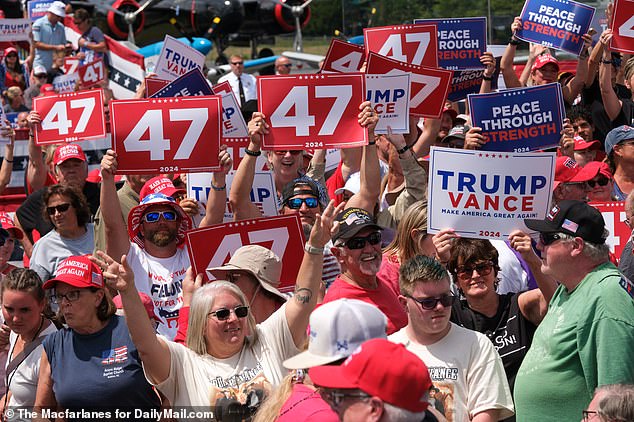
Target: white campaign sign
176 59
389 95
487 195
65 83
233 124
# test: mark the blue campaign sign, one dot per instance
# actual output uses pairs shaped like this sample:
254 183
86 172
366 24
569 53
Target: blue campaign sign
38 8
556 23
461 42
191 84
465 82
519 120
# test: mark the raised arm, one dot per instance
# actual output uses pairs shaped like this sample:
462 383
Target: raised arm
304 300
153 350
7 163
117 239
487 60
611 102
217 199
240 194
421 147
573 88
506 64
317 167
36 170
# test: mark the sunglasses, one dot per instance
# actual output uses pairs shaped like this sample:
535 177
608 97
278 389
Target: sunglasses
336 398
222 314
548 238
153 217
359 242
237 63
296 203
430 303
287 65
465 272
61 208
292 152
602 181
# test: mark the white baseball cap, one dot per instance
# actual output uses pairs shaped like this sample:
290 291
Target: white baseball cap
58 8
337 328
353 184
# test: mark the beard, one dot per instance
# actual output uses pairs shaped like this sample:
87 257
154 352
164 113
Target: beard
307 229
162 238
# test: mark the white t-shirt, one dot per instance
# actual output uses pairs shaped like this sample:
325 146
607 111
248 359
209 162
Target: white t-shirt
467 370
513 277
196 380
162 280
23 380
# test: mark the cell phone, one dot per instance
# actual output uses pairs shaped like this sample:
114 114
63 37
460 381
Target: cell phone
592 32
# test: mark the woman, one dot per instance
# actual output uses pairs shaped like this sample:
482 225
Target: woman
602 184
15 73
509 320
8 235
92 364
620 111
229 362
23 309
66 208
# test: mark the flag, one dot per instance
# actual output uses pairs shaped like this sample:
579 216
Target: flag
117 355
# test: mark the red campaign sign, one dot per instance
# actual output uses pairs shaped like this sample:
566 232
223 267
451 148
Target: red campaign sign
92 74
71 117
213 246
343 57
623 27
236 148
165 135
312 111
614 215
222 87
154 85
70 65
415 44
429 86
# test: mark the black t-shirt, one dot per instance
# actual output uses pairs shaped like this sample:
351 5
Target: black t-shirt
592 98
626 116
30 212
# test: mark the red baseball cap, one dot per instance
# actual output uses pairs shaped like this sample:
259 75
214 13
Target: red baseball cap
77 271
47 89
581 144
383 369
66 152
542 60
160 184
451 111
598 167
568 171
7 223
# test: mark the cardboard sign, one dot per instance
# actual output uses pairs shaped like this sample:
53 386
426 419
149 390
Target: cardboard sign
191 84
4 122
65 84
222 87
262 193
414 44
428 87
623 27
92 74
71 64
213 246
555 23
519 120
487 195
153 85
15 29
312 111
236 147
343 57
461 42
73 117
389 95
166 135
38 8
176 59
614 217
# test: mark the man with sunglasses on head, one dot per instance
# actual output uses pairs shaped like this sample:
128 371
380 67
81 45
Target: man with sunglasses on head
585 340
357 247
463 364
153 242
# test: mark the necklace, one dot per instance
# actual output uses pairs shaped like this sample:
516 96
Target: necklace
291 407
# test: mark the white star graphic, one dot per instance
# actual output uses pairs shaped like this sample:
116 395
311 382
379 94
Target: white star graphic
126 82
117 76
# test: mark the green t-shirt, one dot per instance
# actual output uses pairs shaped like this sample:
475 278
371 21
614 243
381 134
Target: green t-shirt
585 340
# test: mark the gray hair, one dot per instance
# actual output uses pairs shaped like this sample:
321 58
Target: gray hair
201 305
617 404
396 414
596 252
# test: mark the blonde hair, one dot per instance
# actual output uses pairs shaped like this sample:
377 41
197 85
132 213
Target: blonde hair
202 303
272 405
403 246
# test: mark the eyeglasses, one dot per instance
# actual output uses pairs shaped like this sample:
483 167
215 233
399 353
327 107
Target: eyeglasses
286 65
465 272
359 242
71 296
601 181
41 76
334 398
296 203
153 217
587 414
292 152
222 314
237 63
61 208
548 238
430 303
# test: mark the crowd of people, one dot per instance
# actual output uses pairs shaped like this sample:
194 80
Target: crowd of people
386 321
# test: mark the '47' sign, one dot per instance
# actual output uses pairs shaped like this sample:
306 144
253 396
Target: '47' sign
92 73
72 117
213 246
415 44
623 26
165 135
312 111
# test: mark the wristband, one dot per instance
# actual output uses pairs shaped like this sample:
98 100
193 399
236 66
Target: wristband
514 42
403 150
313 250
487 78
218 188
371 142
252 153
606 61
8 161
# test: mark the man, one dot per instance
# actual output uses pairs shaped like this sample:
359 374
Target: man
611 403
462 363
49 36
357 247
585 151
619 146
283 66
70 168
586 338
242 84
152 242
380 381
39 78
570 180
14 100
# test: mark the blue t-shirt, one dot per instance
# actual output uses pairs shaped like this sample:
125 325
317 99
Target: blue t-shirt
98 371
93 35
45 32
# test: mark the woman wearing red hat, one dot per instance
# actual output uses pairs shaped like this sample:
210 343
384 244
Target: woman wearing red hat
15 73
8 235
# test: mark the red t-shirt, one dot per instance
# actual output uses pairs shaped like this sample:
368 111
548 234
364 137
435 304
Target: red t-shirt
334 182
389 272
